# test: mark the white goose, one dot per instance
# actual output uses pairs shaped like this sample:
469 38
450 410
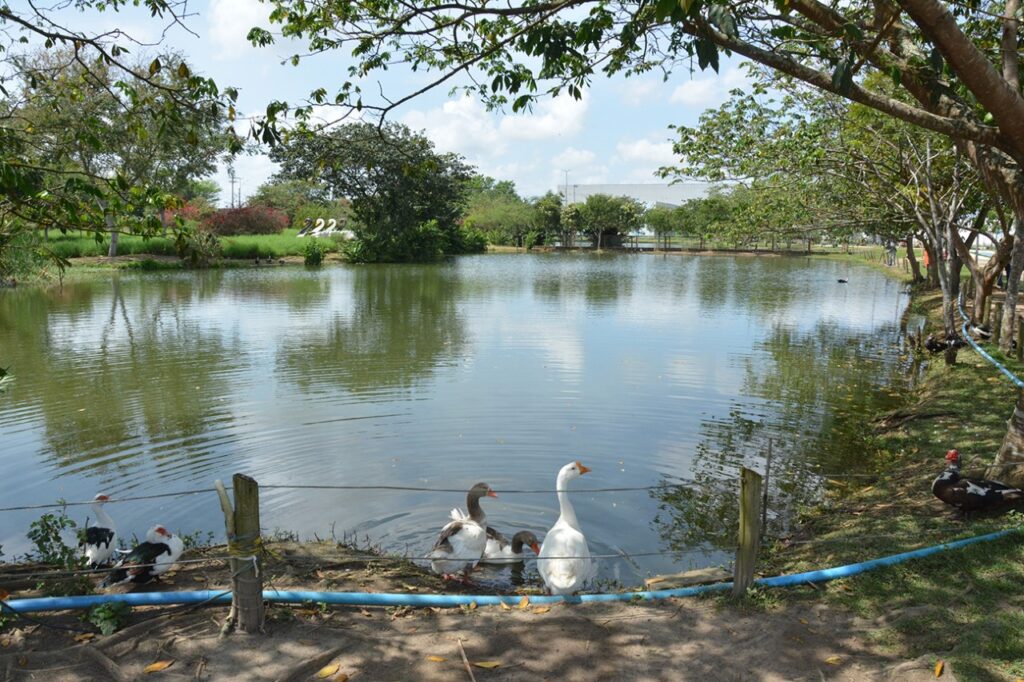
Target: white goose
461 543
100 539
569 567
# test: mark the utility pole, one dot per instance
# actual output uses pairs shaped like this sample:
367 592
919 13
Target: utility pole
231 175
566 171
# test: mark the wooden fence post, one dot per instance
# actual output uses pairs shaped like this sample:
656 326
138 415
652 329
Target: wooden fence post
750 516
997 323
248 581
764 497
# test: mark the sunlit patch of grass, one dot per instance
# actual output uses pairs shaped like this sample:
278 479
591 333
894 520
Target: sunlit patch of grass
978 622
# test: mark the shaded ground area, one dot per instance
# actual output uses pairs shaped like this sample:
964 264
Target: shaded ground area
668 640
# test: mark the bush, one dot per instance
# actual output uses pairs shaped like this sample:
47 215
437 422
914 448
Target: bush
248 220
198 249
313 252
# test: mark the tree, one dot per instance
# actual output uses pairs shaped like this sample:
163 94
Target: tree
406 197
206 191
496 209
664 221
547 217
83 122
606 218
290 196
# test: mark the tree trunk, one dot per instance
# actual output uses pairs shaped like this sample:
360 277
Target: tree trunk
1009 321
933 266
163 221
1009 464
915 267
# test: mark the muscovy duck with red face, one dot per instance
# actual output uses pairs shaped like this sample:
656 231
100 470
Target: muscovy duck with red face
148 560
971 494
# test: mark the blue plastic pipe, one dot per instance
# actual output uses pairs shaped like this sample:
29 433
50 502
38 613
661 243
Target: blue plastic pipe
448 600
981 351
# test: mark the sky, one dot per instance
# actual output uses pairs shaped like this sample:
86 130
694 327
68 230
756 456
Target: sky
617 133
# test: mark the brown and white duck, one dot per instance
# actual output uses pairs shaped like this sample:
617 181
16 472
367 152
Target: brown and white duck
971 494
500 551
461 543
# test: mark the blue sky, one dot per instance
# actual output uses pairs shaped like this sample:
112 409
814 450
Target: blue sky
617 133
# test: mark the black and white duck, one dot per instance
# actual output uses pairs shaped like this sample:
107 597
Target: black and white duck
100 539
148 560
971 494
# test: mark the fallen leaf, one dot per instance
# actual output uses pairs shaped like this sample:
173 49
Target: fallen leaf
199 578
487 664
366 613
157 666
505 607
4 594
541 609
23 661
938 669
342 677
437 659
834 660
804 621
524 602
328 670
85 636
5 642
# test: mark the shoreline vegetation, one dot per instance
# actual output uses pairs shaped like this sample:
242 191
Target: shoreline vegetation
963 608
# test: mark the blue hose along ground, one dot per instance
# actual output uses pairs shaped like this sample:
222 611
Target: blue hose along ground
450 600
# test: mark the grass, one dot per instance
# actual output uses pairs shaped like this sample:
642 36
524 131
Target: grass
241 247
964 606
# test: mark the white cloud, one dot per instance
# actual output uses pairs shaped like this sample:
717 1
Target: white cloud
637 92
574 159
647 152
556 117
229 23
709 91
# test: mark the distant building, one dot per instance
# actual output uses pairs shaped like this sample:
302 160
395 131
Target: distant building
649 194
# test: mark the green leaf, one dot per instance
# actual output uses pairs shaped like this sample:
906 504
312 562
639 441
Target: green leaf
183 71
842 77
707 53
154 66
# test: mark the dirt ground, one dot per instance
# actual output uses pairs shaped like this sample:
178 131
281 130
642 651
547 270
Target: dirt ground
689 639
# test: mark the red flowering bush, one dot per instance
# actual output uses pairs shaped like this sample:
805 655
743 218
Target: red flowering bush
228 222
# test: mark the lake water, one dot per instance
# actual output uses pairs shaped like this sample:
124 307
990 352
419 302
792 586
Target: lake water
661 371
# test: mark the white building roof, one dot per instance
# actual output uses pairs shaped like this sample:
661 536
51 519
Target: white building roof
645 193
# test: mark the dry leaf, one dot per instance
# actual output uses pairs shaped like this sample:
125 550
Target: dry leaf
328 670
4 594
504 606
199 578
487 664
23 661
938 669
157 666
5 642
524 602
804 621
366 613
542 609
437 659
834 660
342 677
85 636
472 605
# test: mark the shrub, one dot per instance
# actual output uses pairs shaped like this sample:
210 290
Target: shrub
248 220
198 249
313 252
46 534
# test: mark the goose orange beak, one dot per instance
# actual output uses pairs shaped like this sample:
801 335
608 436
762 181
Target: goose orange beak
535 547
491 493
583 469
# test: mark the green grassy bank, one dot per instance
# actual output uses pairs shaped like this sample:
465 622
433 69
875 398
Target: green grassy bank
966 606
287 243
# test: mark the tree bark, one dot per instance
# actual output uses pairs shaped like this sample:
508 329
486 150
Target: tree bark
915 266
1009 463
1009 321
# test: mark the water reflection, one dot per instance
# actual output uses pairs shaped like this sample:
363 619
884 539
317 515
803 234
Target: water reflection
497 368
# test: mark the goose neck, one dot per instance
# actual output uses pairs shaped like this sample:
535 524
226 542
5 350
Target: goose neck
568 513
476 512
103 519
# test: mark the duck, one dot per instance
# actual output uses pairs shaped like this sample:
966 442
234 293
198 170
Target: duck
99 541
461 543
982 331
565 563
843 281
148 560
971 494
500 551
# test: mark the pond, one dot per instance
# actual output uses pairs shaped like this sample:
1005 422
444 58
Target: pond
664 373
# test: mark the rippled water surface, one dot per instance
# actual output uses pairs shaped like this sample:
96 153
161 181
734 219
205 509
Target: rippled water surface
499 368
